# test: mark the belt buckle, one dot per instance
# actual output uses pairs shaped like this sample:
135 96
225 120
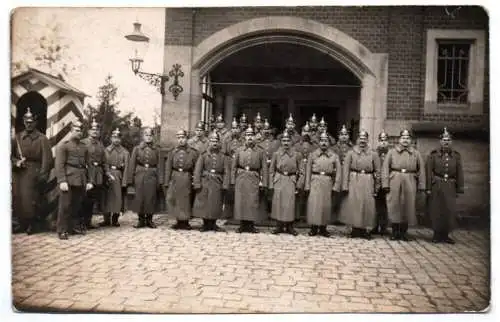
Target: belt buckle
146 165
113 167
95 163
212 170
180 170
445 176
363 171
403 170
247 168
285 173
268 161
322 173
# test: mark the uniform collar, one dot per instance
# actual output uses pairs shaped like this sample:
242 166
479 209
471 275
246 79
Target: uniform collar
144 145
287 152
114 147
445 151
360 150
325 153
400 149
33 135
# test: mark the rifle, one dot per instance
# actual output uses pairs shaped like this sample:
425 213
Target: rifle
19 150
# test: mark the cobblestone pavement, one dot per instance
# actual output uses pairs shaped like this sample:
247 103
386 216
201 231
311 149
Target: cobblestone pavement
164 271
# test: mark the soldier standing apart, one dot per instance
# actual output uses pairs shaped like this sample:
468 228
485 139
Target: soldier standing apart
179 169
323 178
144 173
72 158
117 158
360 181
380 200
249 175
445 179
403 174
96 169
305 147
283 173
31 157
231 145
199 141
211 178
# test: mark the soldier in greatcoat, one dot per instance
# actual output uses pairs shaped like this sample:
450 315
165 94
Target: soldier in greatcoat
290 129
305 147
284 172
258 126
323 127
116 165
178 182
199 141
445 180
360 181
403 174
323 178
220 126
211 178
31 158
380 200
145 174
96 169
313 124
341 148
269 145
243 123
249 175
74 178
231 145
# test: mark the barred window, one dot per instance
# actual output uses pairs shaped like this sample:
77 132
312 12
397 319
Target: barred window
453 71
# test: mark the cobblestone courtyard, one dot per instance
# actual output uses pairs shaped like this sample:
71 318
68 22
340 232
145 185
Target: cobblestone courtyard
164 271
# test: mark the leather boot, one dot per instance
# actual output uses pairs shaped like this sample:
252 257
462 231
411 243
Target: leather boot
323 232
313 231
355 233
251 228
114 221
215 227
206 225
279 228
186 225
149 221
395 232
290 230
106 221
366 234
403 231
142 221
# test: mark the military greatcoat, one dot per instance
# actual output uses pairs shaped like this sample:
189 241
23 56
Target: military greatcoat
284 172
29 181
361 173
145 173
403 172
211 177
117 159
323 176
445 179
249 171
179 168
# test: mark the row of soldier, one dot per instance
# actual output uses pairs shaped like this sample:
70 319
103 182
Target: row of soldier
298 173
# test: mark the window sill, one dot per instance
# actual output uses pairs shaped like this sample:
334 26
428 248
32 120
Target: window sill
451 108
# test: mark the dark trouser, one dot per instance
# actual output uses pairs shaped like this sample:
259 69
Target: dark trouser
92 197
70 203
381 208
301 206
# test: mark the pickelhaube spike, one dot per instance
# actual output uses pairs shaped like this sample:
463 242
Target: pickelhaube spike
445 134
243 118
285 135
28 116
214 135
181 133
363 133
200 125
324 135
220 119
290 119
267 126
313 118
234 124
306 128
116 133
322 122
383 135
258 117
343 130
249 130
405 132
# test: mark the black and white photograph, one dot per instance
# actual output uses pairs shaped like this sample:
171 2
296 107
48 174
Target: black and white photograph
250 159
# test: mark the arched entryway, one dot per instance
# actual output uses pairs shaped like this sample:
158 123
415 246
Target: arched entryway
38 106
370 69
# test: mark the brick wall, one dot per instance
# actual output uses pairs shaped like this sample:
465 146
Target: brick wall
399 31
